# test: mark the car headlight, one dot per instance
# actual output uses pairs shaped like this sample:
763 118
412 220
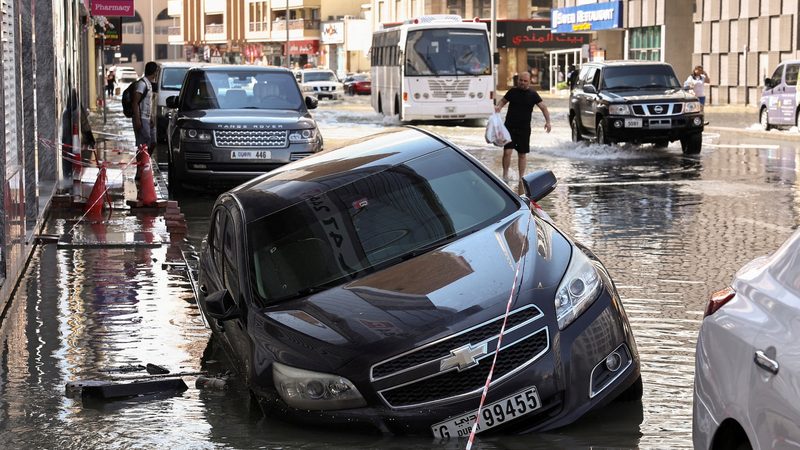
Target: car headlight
302 136
619 109
162 111
308 89
579 289
195 135
304 389
691 107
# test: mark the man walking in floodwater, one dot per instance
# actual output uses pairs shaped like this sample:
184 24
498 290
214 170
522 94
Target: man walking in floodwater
521 100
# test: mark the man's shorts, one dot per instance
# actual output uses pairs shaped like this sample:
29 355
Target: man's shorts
147 135
520 140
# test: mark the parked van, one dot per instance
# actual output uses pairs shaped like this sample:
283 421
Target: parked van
779 102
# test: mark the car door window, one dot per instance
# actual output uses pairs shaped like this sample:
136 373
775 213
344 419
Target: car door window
790 77
776 77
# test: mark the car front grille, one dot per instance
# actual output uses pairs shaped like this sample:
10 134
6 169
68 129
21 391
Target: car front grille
441 88
250 138
428 374
324 88
298 156
657 109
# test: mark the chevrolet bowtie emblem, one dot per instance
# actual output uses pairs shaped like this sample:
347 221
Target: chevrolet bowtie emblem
463 357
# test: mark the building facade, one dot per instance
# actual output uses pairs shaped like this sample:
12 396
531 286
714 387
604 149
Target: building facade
740 42
45 80
656 30
313 32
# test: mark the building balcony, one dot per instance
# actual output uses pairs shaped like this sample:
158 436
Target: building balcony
298 29
280 5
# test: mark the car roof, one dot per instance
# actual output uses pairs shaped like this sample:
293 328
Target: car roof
183 64
240 68
330 169
629 62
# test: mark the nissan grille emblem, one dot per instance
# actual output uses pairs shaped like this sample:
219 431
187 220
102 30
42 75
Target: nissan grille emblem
464 357
658 109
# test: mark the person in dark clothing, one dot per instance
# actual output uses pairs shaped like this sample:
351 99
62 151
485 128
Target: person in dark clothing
521 100
572 77
111 80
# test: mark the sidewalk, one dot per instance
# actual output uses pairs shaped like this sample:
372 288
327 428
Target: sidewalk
124 223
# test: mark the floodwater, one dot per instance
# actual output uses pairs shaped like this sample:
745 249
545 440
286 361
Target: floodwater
671 229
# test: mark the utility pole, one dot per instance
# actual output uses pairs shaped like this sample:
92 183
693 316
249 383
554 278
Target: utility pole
495 57
288 63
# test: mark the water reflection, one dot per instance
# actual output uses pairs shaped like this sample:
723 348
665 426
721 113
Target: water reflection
670 229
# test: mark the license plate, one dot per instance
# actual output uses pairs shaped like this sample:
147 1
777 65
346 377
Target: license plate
251 154
633 123
491 415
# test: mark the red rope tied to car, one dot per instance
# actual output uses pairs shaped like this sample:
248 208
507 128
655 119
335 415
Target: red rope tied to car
500 336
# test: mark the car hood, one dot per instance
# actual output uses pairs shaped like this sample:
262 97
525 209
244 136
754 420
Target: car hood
426 298
645 95
322 83
227 118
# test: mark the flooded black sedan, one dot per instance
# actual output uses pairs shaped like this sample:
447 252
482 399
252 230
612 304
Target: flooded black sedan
385 284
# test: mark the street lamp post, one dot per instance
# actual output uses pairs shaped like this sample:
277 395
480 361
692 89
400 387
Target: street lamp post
495 61
288 63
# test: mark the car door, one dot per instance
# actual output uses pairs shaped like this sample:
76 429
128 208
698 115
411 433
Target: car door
788 93
588 101
775 393
772 96
226 249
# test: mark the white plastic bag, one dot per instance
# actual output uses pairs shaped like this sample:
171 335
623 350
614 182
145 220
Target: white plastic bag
496 132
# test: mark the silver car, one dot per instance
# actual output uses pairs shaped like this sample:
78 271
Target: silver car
747 375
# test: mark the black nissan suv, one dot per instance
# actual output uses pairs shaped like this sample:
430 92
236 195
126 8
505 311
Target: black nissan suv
634 101
231 123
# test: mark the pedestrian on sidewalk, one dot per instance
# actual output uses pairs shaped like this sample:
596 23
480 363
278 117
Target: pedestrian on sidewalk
521 100
111 80
144 121
696 82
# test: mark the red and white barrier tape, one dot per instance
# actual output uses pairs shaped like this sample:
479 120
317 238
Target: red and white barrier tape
500 337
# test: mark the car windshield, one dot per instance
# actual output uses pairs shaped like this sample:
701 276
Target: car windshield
172 77
640 77
319 76
241 90
128 78
384 218
437 52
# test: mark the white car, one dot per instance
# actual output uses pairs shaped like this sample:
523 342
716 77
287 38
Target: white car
168 83
747 366
125 76
321 83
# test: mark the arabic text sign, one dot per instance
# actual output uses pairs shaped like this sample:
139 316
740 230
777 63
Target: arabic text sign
113 8
520 34
592 17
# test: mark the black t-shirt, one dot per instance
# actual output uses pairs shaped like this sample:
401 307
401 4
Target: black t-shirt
520 107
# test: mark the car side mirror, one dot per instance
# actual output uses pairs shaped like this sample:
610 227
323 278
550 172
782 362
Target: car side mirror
220 305
311 103
538 184
768 83
589 89
172 101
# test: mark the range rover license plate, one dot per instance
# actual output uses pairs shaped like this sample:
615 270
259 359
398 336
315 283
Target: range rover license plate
633 123
492 415
251 154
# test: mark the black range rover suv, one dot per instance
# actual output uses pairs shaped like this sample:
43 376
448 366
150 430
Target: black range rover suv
634 101
231 123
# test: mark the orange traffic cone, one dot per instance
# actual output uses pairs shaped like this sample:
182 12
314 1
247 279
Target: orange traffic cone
99 193
147 189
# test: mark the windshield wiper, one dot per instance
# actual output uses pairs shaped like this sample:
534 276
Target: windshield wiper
429 247
622 88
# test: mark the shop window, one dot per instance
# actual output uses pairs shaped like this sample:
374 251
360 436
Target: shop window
455 7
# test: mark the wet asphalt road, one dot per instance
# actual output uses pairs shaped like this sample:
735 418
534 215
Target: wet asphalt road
670 229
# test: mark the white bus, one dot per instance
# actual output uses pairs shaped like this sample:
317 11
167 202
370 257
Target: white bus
432 68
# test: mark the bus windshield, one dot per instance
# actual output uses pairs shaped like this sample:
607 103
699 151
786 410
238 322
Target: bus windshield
436 52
